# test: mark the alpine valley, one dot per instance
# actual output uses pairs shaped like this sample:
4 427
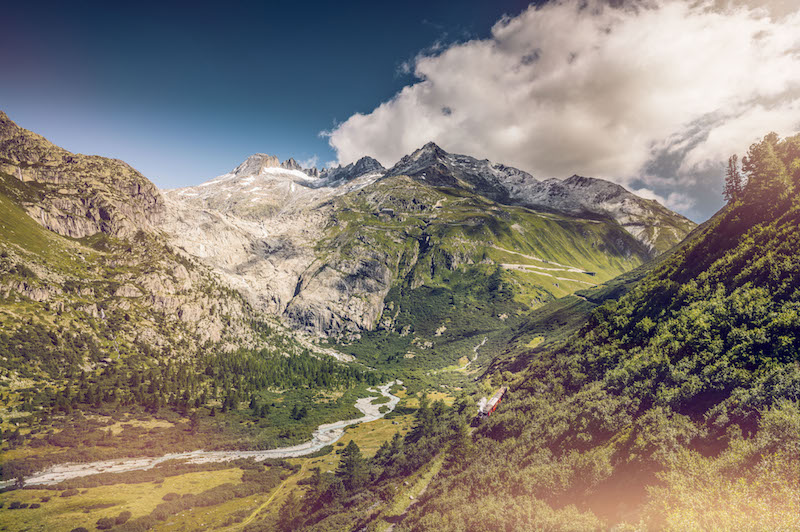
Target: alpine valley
649 365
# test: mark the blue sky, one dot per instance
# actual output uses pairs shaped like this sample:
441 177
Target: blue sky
185 92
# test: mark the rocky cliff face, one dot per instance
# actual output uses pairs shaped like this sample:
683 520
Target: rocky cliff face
291 164
139 287
78 195
259 226
260 163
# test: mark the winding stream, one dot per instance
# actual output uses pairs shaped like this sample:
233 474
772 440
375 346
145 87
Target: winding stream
326 434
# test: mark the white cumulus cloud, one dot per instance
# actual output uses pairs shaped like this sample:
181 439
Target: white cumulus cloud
654 94
310 162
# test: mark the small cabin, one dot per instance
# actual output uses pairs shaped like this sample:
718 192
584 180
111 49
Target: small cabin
493 403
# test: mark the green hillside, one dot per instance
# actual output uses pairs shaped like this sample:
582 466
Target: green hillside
465 269
673 407
101 331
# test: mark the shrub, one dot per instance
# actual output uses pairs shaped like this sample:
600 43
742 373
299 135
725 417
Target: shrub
171 496
69 493
105 523
122 517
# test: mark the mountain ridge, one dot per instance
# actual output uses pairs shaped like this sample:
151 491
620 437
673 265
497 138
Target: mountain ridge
647 220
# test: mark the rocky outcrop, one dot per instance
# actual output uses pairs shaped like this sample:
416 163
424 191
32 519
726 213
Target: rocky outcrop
256 163
291 164
35 292
345 296
78 195
128 290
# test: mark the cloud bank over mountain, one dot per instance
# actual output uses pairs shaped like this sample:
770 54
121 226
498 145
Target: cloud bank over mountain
654 95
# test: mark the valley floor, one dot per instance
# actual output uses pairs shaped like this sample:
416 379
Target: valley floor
325 435
145 493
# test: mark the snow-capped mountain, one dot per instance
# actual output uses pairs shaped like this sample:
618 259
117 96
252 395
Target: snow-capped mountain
259 223
262 186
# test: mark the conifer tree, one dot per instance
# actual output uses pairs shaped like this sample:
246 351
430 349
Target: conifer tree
352 468
289 512
733 180
767 177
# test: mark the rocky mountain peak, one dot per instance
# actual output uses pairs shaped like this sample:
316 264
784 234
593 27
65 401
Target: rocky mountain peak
430 151
432 147
368 164
291 164
343 174
256 163
437 167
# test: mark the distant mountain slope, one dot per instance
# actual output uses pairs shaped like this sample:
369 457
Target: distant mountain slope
555 322
651 223
259 230
451 267
675 407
